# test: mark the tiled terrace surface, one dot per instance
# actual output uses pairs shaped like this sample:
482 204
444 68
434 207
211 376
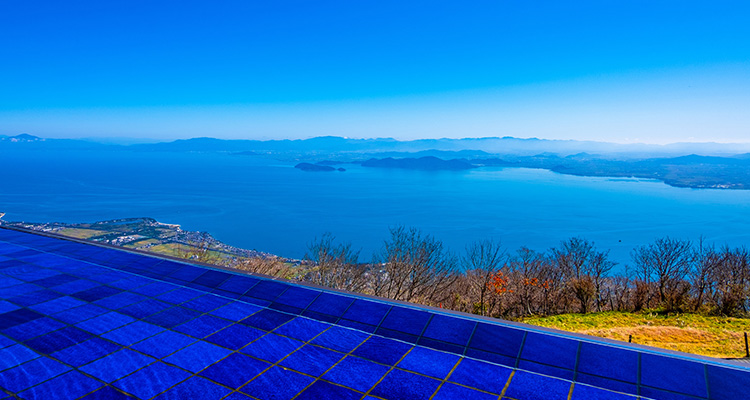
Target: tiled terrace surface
85 321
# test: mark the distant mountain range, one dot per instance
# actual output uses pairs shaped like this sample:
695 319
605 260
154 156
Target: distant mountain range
696 165
388 147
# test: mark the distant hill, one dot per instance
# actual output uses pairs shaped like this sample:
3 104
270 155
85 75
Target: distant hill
388 147
24 137
424 163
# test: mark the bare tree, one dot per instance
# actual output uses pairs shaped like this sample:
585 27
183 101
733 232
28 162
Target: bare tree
415 268
584 268
336 265
599 267
527 280
704 263
665 263
483 260
732 280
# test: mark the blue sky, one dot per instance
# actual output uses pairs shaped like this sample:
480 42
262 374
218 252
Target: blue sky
621 71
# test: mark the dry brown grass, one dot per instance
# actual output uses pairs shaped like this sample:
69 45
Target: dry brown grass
691 333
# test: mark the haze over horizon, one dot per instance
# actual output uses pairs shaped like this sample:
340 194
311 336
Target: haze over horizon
636 72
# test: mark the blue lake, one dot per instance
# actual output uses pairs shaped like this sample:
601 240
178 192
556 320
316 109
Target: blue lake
270 206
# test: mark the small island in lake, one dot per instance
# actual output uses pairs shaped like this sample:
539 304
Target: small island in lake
317 168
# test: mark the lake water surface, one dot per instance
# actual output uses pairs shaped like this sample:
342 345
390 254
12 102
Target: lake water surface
268 205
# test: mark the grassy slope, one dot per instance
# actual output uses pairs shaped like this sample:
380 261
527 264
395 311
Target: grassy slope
690 333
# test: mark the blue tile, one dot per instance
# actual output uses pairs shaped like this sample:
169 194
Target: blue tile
107 393
233 396
550 350
172 317
497 339
32 298
120 300
450 329
450 391
105 323
6 306
31 373
609 384
152 380
5 342
545 369
442 346
429 362
480 375
211 279
132 333
130 283
179 295
195 388
163 344
661 372
76 286
235 336
235 370
340 339
187 273
145 308
154 289
277 384
197 356
311 360
96 293
266 319
382 350
267 290
82 313
86 352
727 383
206 303
202 326
73 385
651 393
18 290
238 284
398 335
33 329
17 317
320 317
406 320
57 305
366 312
356 373
325 390
253 300
117 365
526 385
357 325
56 280
236 311
58 340
297 297
272 347
585 392
15 355
597 359
401 385
303 329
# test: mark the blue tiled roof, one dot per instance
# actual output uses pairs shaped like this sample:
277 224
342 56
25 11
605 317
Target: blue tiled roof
87 321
